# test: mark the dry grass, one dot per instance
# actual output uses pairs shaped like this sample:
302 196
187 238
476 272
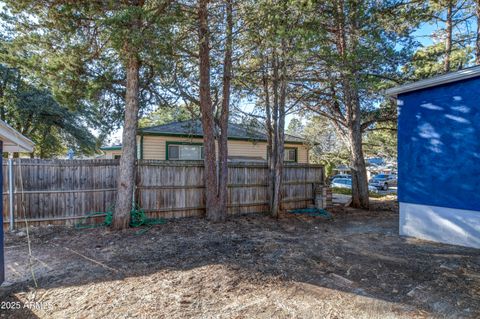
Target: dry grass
355 266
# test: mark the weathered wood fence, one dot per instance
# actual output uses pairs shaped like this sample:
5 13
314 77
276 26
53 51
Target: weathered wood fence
63 191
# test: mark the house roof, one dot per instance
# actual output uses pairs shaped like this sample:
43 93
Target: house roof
193 128
435 81
112 147
13 141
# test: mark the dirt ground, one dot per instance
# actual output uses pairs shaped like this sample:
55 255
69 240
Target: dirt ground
354 266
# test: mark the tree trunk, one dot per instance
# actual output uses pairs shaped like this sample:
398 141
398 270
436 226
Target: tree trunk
275 170
359 173
360 198
448 40
347 41
281 77
269 131
2 106
126 177
223 137
212 202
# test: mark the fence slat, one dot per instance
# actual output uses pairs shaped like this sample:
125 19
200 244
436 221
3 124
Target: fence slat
63 191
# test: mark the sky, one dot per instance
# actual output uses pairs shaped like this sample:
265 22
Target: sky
424 34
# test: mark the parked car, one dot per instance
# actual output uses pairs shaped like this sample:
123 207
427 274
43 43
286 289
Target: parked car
342 182
347 183
340 176
384 181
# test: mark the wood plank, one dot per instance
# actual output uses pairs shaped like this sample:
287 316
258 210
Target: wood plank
65 190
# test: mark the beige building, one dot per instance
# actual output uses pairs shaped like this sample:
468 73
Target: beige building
184 141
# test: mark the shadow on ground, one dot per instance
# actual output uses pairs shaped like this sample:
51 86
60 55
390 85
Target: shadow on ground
353 266
14 308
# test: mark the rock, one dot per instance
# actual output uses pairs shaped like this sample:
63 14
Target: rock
21 234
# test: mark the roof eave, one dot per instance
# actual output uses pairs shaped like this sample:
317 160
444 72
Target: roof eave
111 148
435 81
13 141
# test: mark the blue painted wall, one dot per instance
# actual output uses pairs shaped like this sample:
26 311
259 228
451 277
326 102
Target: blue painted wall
439 146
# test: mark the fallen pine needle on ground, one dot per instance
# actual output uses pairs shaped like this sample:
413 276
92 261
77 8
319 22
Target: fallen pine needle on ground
353 266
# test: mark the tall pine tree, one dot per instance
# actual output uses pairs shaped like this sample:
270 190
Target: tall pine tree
95 51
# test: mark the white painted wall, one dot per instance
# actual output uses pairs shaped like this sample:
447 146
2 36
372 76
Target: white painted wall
440 224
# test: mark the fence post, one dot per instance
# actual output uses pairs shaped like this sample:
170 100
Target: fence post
11 194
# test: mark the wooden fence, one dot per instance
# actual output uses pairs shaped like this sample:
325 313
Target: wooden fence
63 191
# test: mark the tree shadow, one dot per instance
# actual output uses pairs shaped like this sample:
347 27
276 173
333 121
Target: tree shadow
345 255
14 308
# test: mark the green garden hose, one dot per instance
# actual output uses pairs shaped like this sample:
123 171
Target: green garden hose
137 219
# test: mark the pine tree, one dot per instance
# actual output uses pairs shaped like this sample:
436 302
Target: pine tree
360 47
201 77
273 46
36 114
93 51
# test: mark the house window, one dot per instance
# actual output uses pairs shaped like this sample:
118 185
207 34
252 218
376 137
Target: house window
290 155
117 156
184 152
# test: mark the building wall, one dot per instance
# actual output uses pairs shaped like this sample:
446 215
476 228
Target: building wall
111 154
439 163
154 147
441 224
439 146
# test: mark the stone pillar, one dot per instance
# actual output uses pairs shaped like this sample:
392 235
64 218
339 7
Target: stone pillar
323 196
327 194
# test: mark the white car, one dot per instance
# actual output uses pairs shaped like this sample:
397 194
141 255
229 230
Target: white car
347 183
384 181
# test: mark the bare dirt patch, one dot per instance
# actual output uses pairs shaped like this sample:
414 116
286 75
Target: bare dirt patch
355 266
